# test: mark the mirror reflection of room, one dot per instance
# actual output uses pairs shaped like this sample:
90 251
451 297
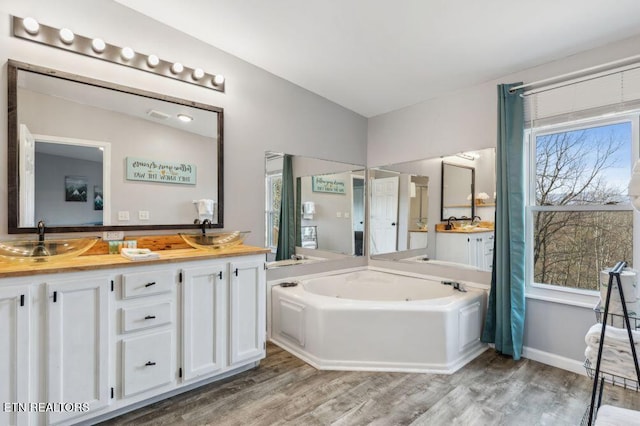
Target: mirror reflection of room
328 209
411 205
70 129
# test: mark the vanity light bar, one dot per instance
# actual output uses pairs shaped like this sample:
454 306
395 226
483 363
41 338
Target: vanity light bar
30 29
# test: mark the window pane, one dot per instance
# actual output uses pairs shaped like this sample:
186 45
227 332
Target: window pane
273 222
570 248
586 166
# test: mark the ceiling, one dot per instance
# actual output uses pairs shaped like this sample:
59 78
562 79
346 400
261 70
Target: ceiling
374 56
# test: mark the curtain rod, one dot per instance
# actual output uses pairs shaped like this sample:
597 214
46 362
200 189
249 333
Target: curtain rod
585 72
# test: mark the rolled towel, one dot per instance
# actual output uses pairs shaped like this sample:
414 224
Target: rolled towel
615 337
616 416
629 282
614 362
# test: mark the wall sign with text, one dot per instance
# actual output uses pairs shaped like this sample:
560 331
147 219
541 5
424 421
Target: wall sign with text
323 184
160 171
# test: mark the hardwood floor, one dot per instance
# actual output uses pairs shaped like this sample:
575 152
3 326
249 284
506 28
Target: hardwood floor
491 390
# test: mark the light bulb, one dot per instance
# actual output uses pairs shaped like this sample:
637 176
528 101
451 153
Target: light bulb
185 118
66 35
98 45
218 79
127 53
153 61
177 68
31 25
198 73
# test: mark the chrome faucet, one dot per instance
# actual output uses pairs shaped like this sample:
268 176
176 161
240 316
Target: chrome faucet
40 249
204 224
297 257
449 226
473 220
41 229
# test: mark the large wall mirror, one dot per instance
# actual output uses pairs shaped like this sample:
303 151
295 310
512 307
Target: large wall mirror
329 206
85 155
411 202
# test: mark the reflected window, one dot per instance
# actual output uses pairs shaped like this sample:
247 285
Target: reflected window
274 192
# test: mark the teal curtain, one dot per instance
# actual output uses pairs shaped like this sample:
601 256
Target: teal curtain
287 224
298 213
504 325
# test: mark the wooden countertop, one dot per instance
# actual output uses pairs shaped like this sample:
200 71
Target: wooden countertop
464 231
106 261
482 227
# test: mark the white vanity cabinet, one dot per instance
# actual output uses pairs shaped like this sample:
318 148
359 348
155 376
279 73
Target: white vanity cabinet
204 319
14 352
468 248
417 239
247 311
111 339
146 339
77 343
223 316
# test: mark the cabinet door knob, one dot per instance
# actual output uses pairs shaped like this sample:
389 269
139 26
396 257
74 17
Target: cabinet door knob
149 363
150 284
150 317
393 224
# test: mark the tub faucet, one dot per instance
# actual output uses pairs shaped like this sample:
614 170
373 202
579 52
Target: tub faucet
456 285
297 257
204 224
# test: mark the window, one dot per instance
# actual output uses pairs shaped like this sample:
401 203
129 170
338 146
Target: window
580 220
274 191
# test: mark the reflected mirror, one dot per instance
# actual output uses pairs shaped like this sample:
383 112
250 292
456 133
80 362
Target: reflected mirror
86 155
328 208
457 191
409 201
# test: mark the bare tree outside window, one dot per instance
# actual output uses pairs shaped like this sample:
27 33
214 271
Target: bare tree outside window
580 175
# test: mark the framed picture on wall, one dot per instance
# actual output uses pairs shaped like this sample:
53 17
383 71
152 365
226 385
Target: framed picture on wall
75 188
98 198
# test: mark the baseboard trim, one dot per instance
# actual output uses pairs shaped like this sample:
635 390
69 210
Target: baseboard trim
554 360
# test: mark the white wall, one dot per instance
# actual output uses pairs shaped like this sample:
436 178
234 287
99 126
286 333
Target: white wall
262 112
466 120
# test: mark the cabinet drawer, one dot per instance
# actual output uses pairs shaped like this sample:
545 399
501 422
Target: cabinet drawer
146 362
147 316
139 284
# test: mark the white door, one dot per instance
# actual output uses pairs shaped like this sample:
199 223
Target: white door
204 301
384 214
247 311
27 185
78 344
14 352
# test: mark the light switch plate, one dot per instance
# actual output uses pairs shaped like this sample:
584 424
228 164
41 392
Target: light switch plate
123 215
143 215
